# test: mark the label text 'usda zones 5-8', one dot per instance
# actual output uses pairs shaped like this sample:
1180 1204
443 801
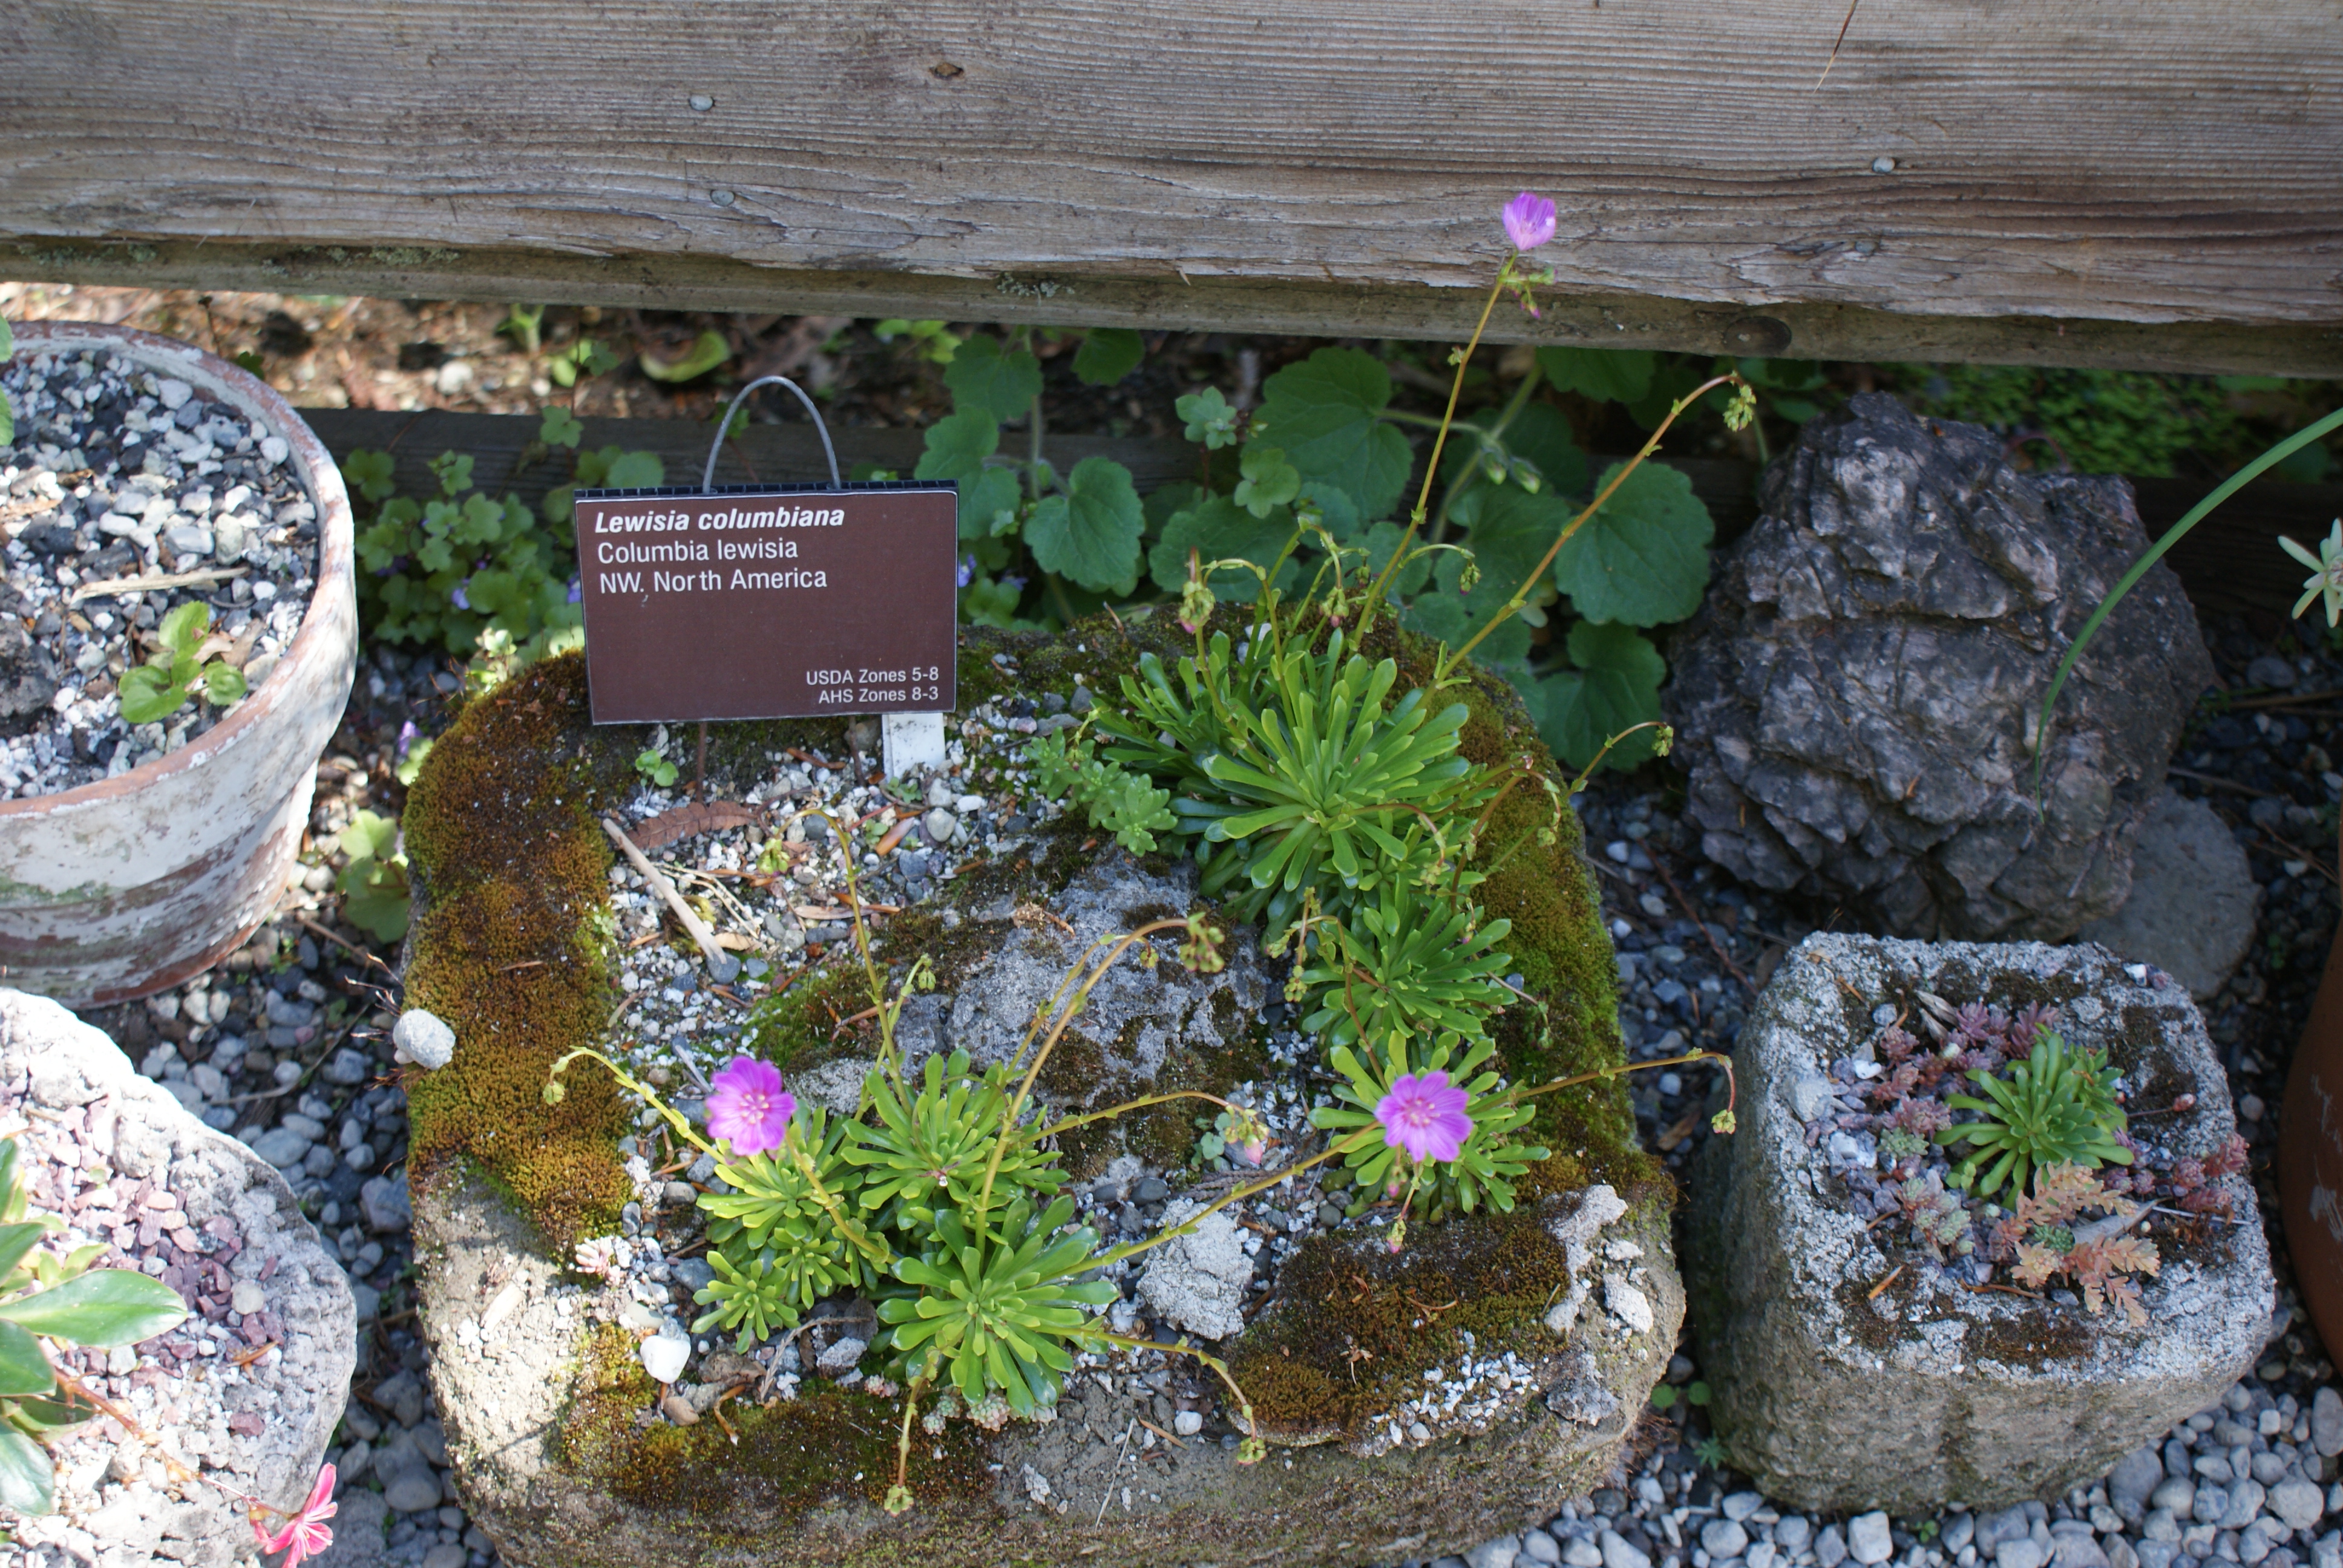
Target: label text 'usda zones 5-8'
772 605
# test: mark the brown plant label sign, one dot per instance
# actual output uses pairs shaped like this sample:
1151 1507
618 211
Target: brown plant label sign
768 603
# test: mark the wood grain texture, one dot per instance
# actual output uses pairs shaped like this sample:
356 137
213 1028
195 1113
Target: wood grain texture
2230 562
2174 166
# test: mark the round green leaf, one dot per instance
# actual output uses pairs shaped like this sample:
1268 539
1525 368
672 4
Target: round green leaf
1107 355
27 1484
1615 686
1325 412
1643 559
1605 374
636 471
957 446
1090 535
1217 528
148 695
1512 530
105 1307
23 1365
985 380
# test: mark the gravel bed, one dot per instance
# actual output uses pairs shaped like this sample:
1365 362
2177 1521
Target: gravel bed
120 475
1692 945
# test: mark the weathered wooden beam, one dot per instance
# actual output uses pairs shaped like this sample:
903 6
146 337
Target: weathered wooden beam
2145 183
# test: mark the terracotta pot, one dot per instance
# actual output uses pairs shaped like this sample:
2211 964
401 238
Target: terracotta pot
2310 1155
131 884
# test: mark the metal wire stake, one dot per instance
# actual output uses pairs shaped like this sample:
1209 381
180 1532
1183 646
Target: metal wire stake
708 476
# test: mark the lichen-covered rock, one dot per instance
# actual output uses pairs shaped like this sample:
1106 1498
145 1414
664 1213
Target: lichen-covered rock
260 1430
1415 1401
1857 701
1837 1394
545 1418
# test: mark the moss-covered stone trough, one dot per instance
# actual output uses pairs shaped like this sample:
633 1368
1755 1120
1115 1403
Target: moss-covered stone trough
1413 1403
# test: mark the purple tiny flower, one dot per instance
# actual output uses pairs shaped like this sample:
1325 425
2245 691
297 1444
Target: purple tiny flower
407 735
457 594
1425 1116
748 1107
577 589
967 570
1529 221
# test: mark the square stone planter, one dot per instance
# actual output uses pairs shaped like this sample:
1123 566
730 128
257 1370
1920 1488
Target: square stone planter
1851 1371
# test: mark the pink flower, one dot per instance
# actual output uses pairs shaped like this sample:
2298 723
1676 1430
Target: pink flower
1425 1116
1529 221
305 1534
748 1107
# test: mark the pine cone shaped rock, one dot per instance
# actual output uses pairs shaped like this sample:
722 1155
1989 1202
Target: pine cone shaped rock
1858 699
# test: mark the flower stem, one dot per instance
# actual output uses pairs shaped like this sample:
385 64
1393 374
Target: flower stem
1513 606
1432 468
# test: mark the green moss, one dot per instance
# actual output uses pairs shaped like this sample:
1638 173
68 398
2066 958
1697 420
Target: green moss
511 947
825 1446
1355 1327
805 1023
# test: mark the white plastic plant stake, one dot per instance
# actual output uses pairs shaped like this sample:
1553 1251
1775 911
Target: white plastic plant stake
910 741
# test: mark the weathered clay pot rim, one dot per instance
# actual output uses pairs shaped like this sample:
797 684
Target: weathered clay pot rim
321 476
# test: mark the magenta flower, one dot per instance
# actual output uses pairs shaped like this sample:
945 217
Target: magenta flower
1425 1116
306 1534
1529 221
748 1108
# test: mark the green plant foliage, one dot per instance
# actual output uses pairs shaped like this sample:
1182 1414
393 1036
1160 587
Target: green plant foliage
958 447
1325 415
1124 803
1088 533
655 768
375 893
1215 529
1604 374
1211 421
985 380
1107 355
1613 687
1643 559
1406 962
42 1296
2055 1107
1489 1162
934 343
1290 775
177 669
997 1312
928 1153
705 353
2100 421
1269 482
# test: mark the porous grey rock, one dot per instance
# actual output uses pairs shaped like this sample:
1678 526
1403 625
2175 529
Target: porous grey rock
1135 1016
52 1059
423 1038
2190 912
1197 1282
1856 701
508 1402
1947 1394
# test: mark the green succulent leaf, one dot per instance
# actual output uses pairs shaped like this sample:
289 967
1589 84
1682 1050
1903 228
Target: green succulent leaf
24 1367
27 1484
983 380
1615 688
1107 355
2055 1107
1325 414
1643 559
104 1307
1090 535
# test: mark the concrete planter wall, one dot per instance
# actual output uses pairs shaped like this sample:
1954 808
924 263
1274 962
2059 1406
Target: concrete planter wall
1853 1373
130 885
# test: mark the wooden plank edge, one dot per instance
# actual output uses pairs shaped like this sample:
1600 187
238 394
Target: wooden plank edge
1066 297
